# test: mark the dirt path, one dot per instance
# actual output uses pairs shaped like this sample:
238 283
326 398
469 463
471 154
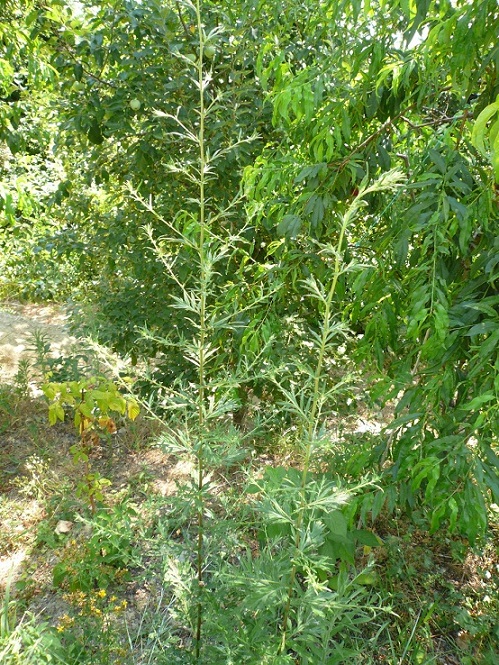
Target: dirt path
19 322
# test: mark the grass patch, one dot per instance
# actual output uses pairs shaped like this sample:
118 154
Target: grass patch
116 587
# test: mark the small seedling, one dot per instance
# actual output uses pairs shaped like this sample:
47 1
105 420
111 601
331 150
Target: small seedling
93 401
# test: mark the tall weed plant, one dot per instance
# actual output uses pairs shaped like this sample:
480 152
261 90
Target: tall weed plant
210 313
282 599
303 510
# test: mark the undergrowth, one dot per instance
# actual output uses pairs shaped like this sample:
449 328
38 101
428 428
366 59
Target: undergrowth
116 587
198 547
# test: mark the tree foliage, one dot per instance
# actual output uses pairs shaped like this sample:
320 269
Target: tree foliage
424 303
317 100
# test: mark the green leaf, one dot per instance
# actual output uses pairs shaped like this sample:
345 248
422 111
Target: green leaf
494 132
491 456
277 530
117 404
336 523
53 410
402 420
329 550
454 513
289 226
422 7
275 475
78 71
482 328
366 537
133 409
494 147
480 126
310 172
49 391
94 133
315 207
490 475
367 578
85 409
377 504
59 574
438 160
478 401
437 516
97 395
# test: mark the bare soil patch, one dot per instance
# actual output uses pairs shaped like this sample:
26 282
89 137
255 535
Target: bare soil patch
18 324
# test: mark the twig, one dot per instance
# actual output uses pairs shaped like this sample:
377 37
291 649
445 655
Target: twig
388 123
429 123
179 12
86 71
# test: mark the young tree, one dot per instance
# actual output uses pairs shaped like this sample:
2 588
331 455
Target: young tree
384 86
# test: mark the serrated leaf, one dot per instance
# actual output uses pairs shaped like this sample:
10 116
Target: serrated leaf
436 517
489 345
80 456
491 478
491 456
117 404
402 420
75 388
438 160
49 391
336 523
59 411
346 551
97 395
52 414
384 159
133 409
494 147
494 132
275 475
310 172
277 530
377 504
328 549
85 409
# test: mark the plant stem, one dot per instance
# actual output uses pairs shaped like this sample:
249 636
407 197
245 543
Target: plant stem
313 415
202 330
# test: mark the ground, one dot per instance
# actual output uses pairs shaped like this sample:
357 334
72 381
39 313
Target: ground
445 596
20 439
18 325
